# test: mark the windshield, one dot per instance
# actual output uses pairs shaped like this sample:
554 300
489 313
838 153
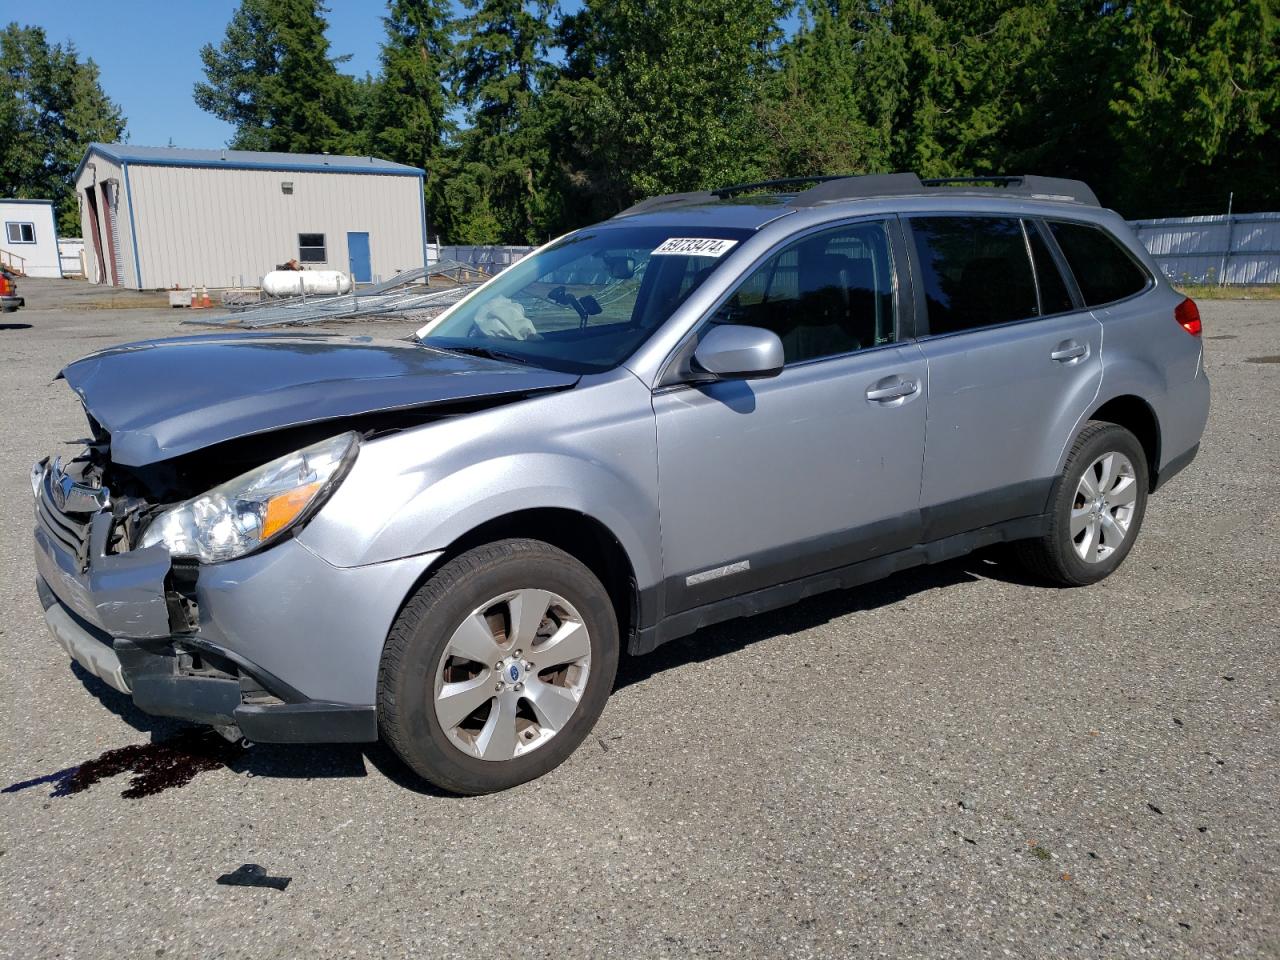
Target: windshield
585 303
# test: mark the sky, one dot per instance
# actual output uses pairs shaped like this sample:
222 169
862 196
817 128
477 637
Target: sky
149 54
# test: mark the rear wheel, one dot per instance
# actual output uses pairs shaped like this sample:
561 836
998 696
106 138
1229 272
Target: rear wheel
1096 509
498 667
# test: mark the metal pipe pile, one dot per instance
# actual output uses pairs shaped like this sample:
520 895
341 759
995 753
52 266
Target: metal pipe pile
403 293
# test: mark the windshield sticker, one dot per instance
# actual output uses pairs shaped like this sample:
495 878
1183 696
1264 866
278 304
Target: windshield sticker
694 247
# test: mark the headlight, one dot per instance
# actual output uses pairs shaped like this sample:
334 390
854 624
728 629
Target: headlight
37 475
254 509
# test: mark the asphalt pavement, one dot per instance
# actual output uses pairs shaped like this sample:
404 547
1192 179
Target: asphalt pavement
955 762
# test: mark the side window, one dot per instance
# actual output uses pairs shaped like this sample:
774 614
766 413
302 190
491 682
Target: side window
825 295
20 232
976 271
1104 270
311 248
1054 297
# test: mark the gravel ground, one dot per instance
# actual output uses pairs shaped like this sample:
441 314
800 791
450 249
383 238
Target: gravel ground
954 762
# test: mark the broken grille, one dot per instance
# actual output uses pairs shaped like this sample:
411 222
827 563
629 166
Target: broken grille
69 532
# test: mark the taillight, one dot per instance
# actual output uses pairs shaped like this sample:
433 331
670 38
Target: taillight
1188 316
4 285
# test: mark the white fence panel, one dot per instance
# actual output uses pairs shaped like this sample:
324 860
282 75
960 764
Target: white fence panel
491 259
1238 249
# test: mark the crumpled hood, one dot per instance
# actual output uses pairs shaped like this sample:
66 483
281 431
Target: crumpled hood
164 398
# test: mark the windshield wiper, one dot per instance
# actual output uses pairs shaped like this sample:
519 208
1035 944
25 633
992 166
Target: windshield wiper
487 352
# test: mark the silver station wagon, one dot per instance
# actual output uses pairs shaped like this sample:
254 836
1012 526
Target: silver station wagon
711 405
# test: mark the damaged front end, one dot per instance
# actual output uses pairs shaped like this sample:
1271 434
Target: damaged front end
167 557
131 614
205 641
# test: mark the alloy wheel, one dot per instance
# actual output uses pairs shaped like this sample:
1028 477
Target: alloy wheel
512 674
1103 508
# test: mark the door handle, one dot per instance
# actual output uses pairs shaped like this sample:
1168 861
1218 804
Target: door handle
1069 350
888 392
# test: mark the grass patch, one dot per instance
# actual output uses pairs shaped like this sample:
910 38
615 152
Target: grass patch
1211 291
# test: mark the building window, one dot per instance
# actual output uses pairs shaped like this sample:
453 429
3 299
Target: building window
286 187
311 248
20 232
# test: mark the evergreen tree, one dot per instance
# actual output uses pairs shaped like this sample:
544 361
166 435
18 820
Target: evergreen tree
51 108
1197 108
821 110
494 177
664 96
272 77
408 119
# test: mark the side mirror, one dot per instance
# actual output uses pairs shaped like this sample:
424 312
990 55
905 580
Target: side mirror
733 352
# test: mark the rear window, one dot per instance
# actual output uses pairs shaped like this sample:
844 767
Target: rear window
1104 270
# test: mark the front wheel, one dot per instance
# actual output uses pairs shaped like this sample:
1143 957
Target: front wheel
1096 509
498 667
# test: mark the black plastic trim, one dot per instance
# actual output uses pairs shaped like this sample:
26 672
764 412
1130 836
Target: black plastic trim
809 557
151 668
784 594
313 722
1174 467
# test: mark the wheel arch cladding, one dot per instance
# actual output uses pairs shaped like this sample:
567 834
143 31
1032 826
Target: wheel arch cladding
1137 416
583 537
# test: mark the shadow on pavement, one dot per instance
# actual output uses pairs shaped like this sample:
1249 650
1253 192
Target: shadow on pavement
178 751
731 636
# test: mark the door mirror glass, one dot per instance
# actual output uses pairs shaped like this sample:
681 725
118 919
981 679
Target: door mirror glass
732 352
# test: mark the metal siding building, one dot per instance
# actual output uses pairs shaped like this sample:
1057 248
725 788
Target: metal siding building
29 237
161 217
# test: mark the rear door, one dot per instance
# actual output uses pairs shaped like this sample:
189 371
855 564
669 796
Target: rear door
1014 361
767 481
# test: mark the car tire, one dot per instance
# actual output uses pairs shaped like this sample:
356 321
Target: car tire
1095 509
473 713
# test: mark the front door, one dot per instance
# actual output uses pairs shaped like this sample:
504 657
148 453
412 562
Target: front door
767 481
358 258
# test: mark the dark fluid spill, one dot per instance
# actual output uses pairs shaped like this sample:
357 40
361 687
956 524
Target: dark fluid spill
153 767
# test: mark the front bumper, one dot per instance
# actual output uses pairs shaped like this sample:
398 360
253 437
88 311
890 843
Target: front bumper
278 646
194 680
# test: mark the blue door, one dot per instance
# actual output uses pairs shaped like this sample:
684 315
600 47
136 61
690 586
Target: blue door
358 258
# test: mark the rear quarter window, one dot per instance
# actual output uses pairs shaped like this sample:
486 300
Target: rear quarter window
1104 270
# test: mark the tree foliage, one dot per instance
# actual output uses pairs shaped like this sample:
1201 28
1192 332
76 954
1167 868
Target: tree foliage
659 97
272 77
51 107
492 178
531 121
410 104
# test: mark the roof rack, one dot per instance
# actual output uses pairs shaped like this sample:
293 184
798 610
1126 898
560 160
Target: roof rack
908 184
830 189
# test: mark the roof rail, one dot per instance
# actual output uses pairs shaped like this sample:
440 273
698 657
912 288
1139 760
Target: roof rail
650 204
908 184
830 189
720 193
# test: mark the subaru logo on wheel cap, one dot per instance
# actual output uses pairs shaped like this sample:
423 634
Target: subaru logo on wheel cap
513 672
